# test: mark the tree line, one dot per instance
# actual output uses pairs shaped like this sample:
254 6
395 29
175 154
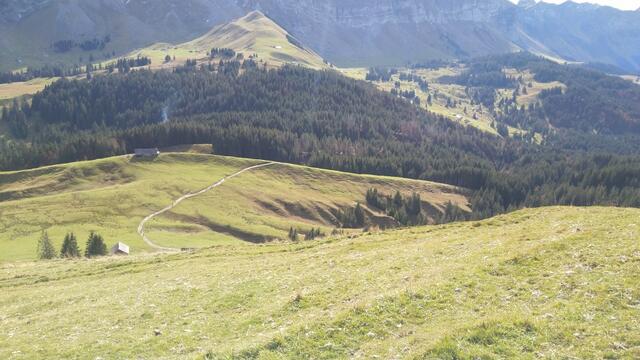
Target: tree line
47 71
125 65
222 52
312 234
66 45
95 247
407 211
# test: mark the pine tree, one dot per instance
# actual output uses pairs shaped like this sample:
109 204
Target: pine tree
45 248
359 215
70 247
95 246
293 234
397 200
414 205
372 198
313 234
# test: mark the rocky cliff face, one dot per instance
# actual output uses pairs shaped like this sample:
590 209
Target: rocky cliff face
387 32
364 13
579 32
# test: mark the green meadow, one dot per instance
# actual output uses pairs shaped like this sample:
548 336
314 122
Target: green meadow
111 196
558 283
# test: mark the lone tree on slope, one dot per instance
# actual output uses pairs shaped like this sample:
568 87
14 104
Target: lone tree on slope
70 247
95 246
45 248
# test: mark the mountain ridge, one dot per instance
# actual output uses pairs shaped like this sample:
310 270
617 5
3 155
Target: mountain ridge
254 36
351 33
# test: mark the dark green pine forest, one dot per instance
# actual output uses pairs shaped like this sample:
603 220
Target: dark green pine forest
325 120
593 103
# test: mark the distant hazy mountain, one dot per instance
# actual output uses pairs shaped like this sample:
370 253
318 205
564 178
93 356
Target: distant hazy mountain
346 32
577 32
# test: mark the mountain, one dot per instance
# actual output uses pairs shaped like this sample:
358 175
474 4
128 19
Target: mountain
253 35
577 32
347 33
257 34
356 33
30 28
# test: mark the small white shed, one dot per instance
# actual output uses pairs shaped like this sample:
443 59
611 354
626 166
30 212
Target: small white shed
120 249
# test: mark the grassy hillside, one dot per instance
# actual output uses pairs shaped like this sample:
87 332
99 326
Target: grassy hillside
544 283
130 25
451 100
113 195
14 90
251 35
440 93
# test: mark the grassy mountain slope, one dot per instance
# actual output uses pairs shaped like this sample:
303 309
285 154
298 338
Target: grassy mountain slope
552 282
113 195
15 90
451 100
253 34
132 24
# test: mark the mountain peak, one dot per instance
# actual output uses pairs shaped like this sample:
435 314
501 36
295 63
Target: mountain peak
257 34
254 15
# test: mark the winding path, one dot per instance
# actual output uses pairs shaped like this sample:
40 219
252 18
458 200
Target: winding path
183 198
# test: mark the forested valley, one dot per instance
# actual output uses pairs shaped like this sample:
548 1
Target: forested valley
592 102
315 118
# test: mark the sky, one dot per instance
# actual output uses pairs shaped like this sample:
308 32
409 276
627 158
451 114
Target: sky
620 4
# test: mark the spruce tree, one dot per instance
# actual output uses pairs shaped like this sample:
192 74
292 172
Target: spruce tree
397 199
359 215
293 234
45 248
313 234
70 247
95 246
310 235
